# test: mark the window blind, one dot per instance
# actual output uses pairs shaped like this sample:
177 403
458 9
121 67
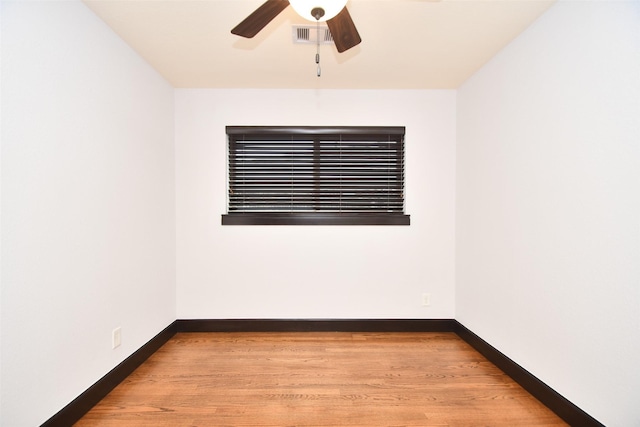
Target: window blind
316 172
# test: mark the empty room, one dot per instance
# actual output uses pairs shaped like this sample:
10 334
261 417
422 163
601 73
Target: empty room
503 221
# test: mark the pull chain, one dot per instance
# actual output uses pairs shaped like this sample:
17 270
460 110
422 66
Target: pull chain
318 47
317 12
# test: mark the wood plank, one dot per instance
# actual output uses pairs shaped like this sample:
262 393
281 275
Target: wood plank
319 379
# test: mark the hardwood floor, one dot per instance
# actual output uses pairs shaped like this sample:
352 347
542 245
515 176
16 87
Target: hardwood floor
318 379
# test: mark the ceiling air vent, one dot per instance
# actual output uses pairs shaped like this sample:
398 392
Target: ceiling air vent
303 34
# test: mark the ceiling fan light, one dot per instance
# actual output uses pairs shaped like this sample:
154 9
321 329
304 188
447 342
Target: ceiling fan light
331 8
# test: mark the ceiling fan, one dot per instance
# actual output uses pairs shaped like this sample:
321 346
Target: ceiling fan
334 12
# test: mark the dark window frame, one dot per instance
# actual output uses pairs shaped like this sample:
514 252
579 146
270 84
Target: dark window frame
376 134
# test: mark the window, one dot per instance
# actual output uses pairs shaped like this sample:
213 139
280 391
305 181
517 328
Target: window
315 176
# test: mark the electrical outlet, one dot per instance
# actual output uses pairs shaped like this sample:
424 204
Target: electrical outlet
426 300
116 337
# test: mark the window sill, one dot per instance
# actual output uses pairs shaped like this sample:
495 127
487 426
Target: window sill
315 219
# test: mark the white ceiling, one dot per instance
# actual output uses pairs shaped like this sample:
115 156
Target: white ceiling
406 44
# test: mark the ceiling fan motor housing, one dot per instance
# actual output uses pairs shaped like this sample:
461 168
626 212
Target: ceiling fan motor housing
317 12
307 9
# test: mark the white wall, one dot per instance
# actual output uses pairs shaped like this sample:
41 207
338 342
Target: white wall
88 219
314 272
548 205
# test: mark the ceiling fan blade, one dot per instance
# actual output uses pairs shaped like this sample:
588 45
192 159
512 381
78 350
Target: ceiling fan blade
343 30
255 22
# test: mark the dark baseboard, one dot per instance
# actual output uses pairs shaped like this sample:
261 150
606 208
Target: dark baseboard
549 397
75 410
316 325
545 394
